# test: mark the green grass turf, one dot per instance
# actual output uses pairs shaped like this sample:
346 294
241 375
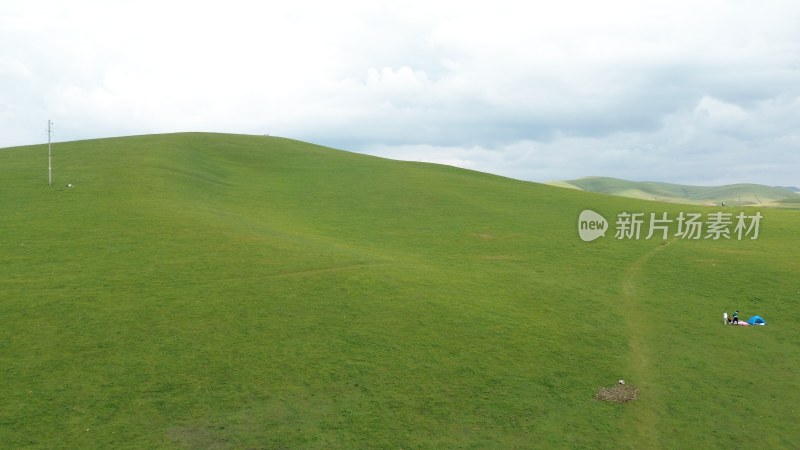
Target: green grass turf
222 291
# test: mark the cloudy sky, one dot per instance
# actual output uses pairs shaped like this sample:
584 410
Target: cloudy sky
698 92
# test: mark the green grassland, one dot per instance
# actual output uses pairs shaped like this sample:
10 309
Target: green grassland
731 195
225 291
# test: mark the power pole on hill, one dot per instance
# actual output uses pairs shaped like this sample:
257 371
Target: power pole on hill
49 154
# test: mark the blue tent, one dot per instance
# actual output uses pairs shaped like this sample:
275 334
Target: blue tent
756 320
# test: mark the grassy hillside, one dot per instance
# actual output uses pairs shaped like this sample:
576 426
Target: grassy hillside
731 195
221 291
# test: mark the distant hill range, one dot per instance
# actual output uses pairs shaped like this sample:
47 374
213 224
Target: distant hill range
730 195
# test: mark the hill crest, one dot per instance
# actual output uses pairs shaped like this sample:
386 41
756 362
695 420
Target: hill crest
741 194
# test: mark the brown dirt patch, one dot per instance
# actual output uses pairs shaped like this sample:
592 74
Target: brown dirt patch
199 437
618 394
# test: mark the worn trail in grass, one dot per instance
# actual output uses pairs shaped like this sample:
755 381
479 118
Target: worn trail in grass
643 416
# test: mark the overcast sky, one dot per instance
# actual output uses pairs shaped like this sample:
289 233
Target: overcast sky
697 92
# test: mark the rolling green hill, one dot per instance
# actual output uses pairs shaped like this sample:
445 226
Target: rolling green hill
731 195
225 291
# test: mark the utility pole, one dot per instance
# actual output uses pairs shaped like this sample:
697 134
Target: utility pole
49 154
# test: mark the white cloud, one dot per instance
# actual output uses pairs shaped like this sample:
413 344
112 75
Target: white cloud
543 90
718 114
685 148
